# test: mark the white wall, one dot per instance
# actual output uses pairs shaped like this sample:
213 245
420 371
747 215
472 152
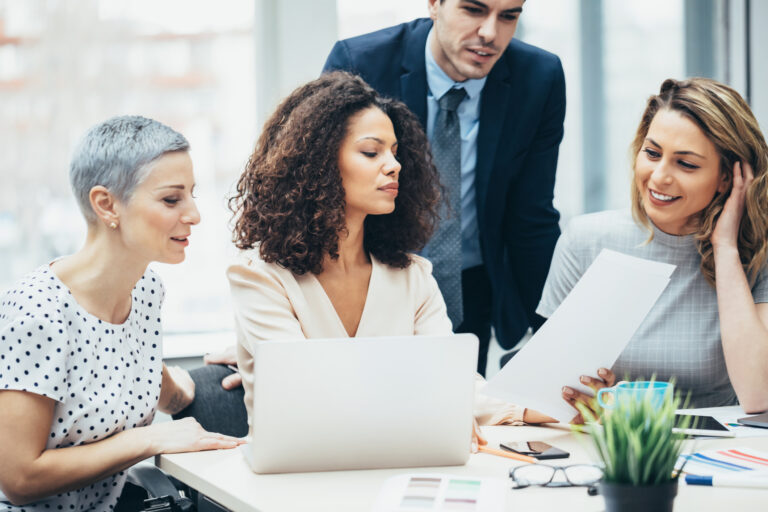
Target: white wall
292 41
759 62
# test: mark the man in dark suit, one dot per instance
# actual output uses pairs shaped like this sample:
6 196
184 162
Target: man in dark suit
510 113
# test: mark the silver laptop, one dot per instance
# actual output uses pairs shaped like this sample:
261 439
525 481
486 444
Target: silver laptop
362 403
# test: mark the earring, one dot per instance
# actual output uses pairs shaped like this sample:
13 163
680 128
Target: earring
113 225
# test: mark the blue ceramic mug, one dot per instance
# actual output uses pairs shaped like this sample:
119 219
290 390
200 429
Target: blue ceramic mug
638 390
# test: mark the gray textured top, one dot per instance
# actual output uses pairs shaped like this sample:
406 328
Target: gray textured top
680 337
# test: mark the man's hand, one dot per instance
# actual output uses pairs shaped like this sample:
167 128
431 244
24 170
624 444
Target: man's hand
226 357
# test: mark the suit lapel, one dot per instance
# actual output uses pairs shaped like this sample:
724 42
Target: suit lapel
493 109
497 94
413 80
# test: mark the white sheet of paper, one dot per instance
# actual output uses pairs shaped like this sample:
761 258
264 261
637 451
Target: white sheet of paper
588 330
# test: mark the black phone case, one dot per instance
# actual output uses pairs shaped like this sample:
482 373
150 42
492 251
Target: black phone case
551 453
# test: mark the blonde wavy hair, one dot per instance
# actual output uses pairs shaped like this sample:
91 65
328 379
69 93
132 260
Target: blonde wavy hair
727 121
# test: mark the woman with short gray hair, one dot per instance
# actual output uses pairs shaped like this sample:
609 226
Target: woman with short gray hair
81 371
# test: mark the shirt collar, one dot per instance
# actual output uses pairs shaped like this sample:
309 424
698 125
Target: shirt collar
439 83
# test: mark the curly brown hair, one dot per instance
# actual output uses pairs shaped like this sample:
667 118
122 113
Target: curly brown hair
290 200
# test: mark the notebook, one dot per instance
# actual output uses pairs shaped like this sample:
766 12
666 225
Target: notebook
362 403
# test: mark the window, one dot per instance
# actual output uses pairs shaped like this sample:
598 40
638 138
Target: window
65 66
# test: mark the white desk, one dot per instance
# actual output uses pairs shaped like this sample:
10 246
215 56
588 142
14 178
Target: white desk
225 477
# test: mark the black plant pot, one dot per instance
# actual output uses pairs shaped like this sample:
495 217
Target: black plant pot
634 498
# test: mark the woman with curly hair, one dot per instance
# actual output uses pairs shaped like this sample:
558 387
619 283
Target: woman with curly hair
700 202
338 194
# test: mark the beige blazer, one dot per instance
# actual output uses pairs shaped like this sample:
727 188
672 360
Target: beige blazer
272 303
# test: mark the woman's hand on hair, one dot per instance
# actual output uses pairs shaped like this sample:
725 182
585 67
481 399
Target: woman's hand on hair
574 396
726 232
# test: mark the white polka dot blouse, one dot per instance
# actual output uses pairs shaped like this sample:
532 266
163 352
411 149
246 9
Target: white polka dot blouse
104 378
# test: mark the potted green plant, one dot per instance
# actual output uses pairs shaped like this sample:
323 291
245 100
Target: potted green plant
638 451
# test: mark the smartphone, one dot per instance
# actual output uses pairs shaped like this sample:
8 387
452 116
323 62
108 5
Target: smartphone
704 426
536 449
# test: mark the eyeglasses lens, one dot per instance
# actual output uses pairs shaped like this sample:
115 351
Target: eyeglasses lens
583 474
534 474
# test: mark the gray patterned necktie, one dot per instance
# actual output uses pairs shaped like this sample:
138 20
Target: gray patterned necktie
445 246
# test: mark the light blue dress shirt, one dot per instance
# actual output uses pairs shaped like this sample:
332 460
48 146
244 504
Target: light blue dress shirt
438 83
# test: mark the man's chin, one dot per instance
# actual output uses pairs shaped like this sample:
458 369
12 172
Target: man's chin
475 71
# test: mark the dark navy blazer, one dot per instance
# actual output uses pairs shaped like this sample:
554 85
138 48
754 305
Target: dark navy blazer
521 126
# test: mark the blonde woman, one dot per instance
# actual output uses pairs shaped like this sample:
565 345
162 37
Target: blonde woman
700 202
81 371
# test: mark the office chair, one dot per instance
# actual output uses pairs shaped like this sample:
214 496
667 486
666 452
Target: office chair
149 488
152 490
217 410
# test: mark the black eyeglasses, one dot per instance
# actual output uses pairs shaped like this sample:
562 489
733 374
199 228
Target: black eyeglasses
544 475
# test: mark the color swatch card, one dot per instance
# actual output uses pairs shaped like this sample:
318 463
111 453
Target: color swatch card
741 461
439 492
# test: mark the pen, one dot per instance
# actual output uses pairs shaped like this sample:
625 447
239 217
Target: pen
232 367
756 482
507 454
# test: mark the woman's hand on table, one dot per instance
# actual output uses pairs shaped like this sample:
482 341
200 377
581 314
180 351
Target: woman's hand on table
186 435
529 416
573 396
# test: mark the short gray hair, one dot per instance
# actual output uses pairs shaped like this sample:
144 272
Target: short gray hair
117 154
